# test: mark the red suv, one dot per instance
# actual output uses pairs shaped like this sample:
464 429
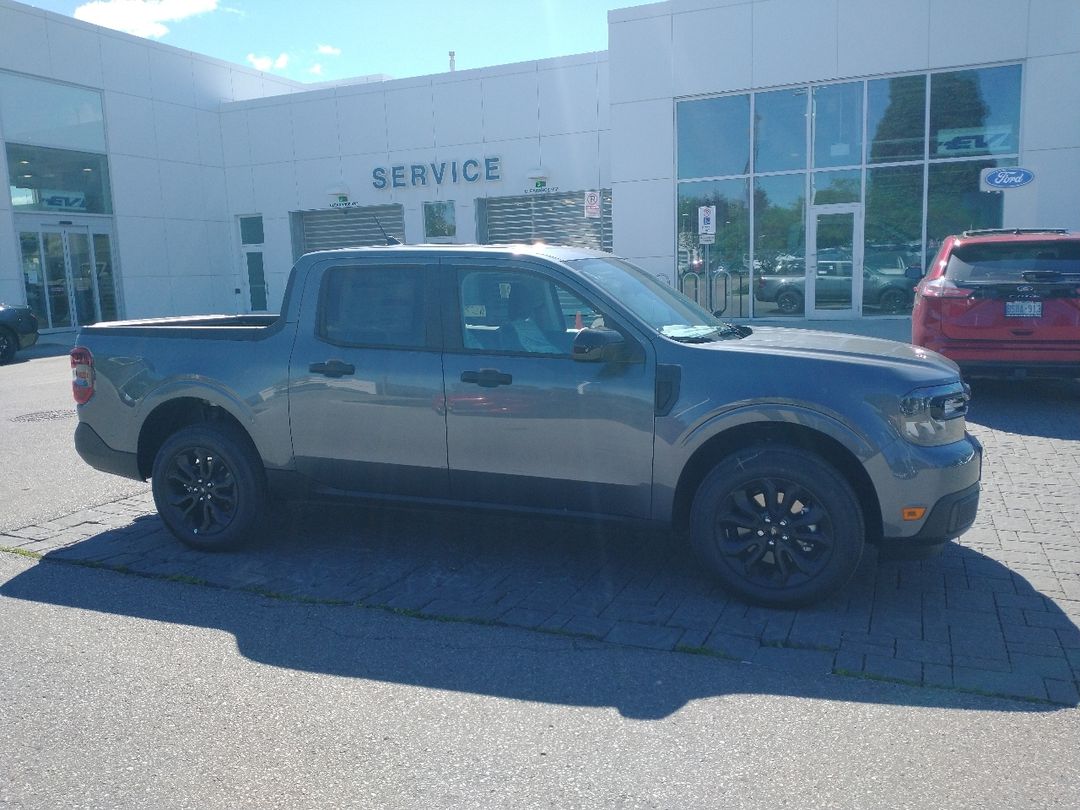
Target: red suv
1004 303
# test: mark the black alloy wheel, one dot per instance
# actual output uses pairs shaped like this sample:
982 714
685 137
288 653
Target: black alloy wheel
789 302
778 526
8 345
893 300
209 486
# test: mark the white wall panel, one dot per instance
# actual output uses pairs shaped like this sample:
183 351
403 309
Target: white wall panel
712 49
458 112
641 59
1053 27
185 242
270 133
275 187
136 185
568 99
409 121
177 132
75 53
235 143
794 41
315 129
141 241
129 125
964 32
26 41
172 76
215 201
362 123
314 178
573 159
510 107
213 83
1052 102
125 66
642 140
878 36
208 125
181 190
644 218
240 190
147 296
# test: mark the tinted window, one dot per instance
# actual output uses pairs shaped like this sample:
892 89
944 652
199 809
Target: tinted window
373 307
975 112
520 312
780 136
838 123
1010 261
714 137
896 118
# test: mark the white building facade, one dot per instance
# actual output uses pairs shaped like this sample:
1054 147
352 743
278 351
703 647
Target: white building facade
720 145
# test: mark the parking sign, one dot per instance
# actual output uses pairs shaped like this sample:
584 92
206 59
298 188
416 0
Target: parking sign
706 219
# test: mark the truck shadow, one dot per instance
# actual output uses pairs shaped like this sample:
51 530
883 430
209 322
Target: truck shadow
955 621
1040 408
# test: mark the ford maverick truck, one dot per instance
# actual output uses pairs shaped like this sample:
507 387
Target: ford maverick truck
546 379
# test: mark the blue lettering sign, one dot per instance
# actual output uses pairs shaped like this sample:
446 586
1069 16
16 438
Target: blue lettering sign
491 168
419 175
416 174
437 172
465 170
378 178
397 173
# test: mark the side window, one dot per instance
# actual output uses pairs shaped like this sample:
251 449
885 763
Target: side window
380 306
514 311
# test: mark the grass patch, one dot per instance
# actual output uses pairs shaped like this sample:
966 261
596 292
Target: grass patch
22 552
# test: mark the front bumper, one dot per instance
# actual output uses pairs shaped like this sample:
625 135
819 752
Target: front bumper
943 480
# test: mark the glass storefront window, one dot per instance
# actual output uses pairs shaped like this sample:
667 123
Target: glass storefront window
726 276
105 278
844 186
33 276
714 137
779 231
58 180
50 114
838 122
251 231
780 130
975 112
896 119
892 237
955 203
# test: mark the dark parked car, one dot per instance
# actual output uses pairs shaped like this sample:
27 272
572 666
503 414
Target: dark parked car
1004 303
18 330
885 289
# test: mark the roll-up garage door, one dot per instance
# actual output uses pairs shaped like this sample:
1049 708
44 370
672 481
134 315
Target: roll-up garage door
351 227
556 219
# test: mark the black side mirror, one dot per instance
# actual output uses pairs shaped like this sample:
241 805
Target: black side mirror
914 273
599 346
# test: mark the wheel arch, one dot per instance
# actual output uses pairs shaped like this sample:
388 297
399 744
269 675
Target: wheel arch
759 434
175 414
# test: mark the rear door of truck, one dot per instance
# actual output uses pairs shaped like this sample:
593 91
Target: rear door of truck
365 380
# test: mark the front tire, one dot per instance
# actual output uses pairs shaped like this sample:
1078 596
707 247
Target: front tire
209 486
778 526
8 344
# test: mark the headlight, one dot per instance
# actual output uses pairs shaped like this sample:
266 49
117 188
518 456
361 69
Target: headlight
931 416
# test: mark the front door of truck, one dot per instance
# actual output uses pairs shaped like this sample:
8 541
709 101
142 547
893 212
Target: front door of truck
365 379
527 425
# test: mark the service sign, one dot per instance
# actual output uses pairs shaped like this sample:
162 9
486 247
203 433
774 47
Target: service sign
1005 179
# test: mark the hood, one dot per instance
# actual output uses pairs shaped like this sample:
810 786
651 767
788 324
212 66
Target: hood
838 346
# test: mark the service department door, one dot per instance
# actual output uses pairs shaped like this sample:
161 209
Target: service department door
834 261
68 274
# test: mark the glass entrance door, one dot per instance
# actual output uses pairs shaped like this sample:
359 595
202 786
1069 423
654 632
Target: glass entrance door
68 274
834 261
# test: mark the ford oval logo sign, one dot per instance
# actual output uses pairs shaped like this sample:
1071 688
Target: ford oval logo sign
1001 179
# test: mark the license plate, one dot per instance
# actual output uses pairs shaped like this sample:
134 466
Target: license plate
1023 309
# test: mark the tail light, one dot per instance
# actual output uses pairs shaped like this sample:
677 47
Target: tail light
942 288
82 375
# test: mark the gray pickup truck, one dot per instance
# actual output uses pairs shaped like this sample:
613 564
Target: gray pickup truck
538 378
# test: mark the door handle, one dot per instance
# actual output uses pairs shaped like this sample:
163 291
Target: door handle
486 378
332 368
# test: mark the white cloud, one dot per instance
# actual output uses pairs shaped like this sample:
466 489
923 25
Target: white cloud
143 18
265 63
328 50
315 70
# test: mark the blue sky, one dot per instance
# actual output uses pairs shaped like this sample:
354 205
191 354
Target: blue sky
326 40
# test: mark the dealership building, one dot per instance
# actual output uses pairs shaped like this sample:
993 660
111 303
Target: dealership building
723 145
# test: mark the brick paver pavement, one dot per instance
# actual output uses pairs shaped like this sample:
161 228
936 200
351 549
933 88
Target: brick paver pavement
997 613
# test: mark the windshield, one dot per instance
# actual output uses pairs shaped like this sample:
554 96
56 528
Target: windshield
665 310
1010 261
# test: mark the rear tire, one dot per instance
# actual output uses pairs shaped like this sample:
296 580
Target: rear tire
778 526
790 302
210 487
